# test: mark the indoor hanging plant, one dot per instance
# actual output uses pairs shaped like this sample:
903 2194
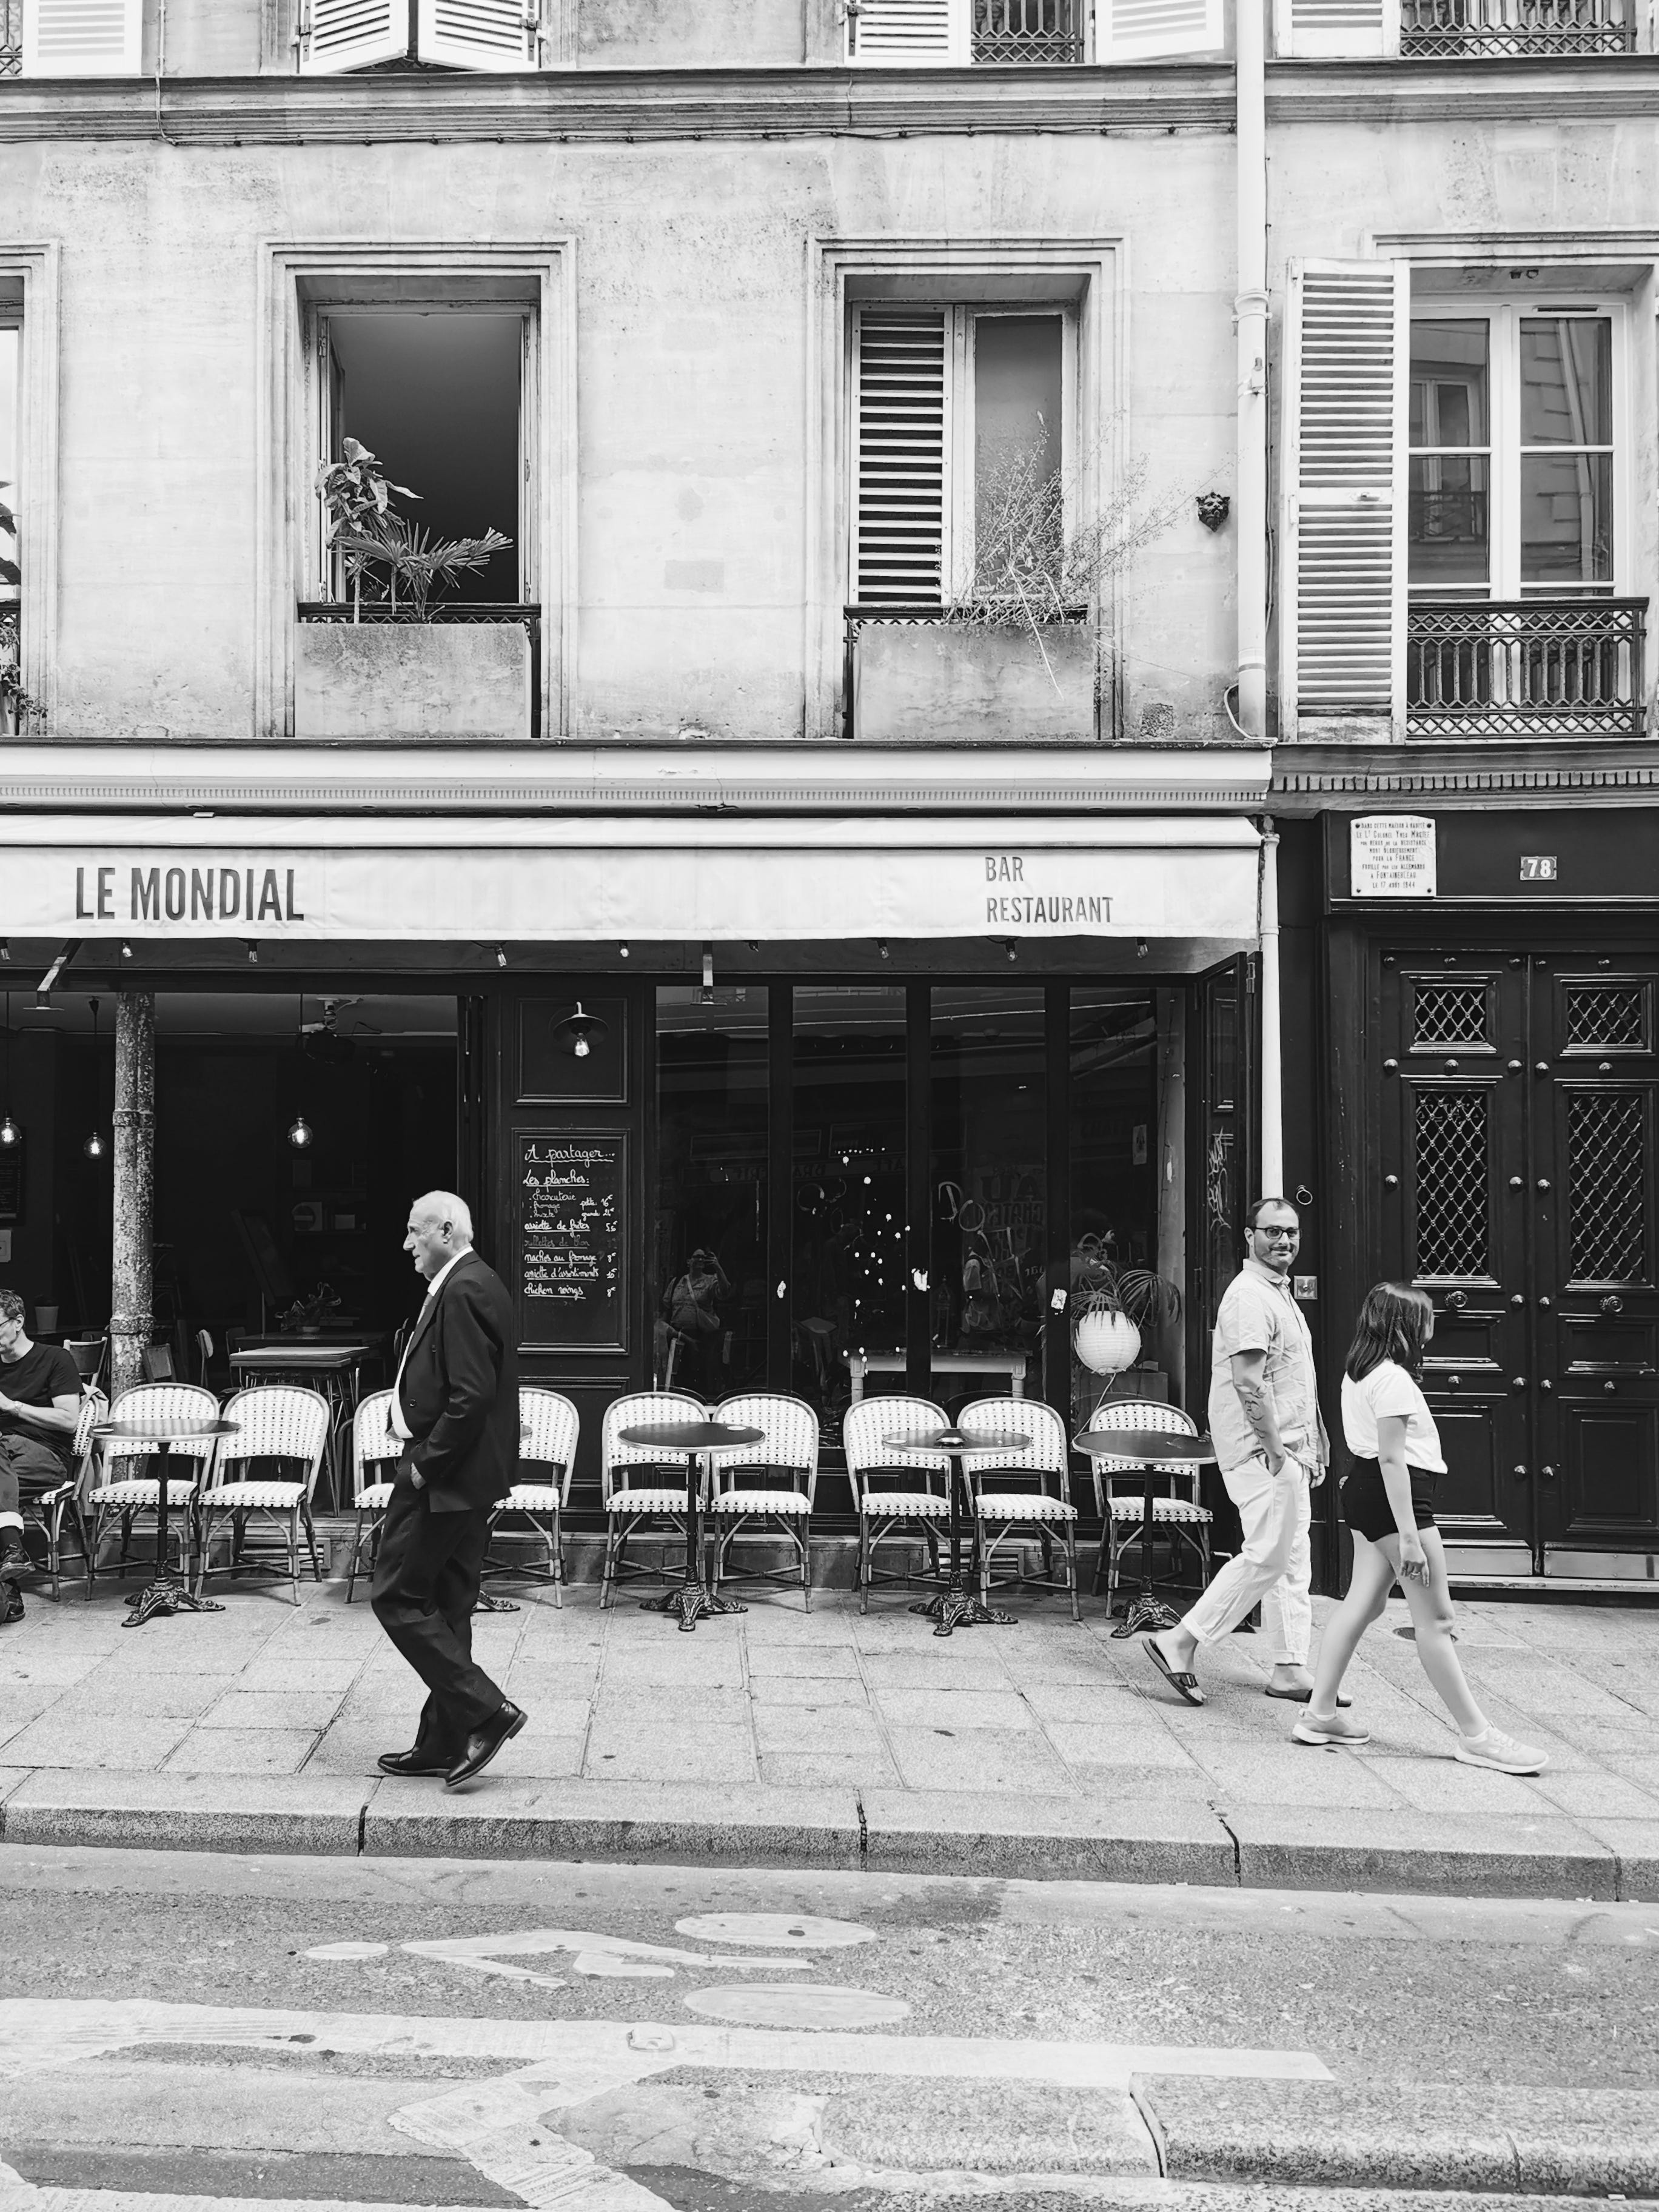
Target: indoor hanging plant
1110 1303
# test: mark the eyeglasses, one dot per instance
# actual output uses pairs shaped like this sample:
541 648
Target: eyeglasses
1274 1235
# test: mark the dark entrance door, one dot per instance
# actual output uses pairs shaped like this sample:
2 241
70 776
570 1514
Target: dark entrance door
1516 1125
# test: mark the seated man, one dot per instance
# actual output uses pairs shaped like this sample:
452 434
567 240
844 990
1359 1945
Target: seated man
40 1405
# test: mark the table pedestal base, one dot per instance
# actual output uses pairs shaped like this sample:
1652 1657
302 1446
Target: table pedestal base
692 1602
165 1595
1146 1611
960 1608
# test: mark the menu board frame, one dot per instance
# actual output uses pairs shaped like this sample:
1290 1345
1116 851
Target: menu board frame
528 1340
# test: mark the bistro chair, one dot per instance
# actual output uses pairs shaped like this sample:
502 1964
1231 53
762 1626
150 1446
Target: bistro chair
638 1485
88 1353
48 1510
769 1486
548 1426
1022 1492
274 1421
374 1443
133 1496
894 1497
1183 1520
203 1355
157 1362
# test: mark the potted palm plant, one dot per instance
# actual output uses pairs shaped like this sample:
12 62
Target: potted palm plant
394 666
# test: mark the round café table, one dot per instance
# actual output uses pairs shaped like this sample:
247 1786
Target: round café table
1154 1451
164 1593
698 1440
955 1606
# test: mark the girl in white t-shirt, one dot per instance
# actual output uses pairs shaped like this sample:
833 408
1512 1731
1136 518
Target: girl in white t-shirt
1388 1502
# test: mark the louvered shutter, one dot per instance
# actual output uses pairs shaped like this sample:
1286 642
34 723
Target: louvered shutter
1357 29
1343 587
479 34
908 34
81 38
902 435
348 34
1148 30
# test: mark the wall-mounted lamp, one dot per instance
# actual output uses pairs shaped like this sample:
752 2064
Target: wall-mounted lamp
1214 508
621 952
252 953
581 1031
881 947
500 956
5 948
1013 948
126 951
1141 948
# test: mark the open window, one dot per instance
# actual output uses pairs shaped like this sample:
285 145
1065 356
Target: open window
952 33
963 425
11 574
335 35
441 394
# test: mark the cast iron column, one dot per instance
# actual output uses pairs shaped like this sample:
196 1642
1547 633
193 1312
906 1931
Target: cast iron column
131 1266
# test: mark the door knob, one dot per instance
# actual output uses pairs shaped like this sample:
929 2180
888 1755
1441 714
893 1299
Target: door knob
1518 1300
1519 1473
1517 1182
1546 1385
1604 1067
1517 1382
1544 1304
1547 1472
1457 1300
1390 1182
1609 1388
1390 1067
1541 1068
1612 1304
1514 1066
1453 1382
1543 1182
1451 1067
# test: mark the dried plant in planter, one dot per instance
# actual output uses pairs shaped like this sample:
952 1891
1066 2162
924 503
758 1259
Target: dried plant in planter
1029 567
365 527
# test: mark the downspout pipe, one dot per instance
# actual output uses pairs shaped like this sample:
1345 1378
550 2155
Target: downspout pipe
1271 1177
1250 321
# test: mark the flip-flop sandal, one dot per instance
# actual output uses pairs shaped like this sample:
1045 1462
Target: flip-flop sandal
1184 1686
1303 1697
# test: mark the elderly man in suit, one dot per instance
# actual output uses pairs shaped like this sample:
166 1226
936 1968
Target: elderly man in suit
456 1405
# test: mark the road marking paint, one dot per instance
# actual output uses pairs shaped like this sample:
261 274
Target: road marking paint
785 2005
788 1930
611 1957
349 1950
498 2127
511 1972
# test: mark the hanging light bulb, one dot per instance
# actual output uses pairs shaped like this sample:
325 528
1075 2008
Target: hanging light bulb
300 1133
9 1132
93 1145
579 1030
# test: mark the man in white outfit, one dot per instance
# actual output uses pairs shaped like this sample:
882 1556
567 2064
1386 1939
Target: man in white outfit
1272 1448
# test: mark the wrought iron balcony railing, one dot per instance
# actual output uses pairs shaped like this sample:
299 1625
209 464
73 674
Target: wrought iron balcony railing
1431 28
1525 668
11 38
1028 30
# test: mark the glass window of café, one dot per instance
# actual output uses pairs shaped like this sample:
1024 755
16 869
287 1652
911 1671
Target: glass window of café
868 1188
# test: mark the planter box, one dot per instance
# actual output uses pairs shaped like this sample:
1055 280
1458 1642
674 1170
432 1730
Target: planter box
438 681
926 680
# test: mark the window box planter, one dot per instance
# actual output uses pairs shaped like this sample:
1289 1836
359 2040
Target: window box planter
468 673
918 677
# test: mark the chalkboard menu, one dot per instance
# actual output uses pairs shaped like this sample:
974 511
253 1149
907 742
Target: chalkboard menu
572 1215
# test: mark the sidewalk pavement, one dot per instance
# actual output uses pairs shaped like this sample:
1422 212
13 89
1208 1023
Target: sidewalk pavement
830 1739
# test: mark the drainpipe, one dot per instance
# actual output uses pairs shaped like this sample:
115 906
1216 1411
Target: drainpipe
1272 1184
1251 317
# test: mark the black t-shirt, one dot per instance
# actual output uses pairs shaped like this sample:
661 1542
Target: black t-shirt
44 1372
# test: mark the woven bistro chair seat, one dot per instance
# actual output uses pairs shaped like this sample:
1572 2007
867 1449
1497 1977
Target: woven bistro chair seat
920 1484
281 1421
1120 1489
374 1443
641 1486
548 1430
127 1496
771 1484
1022 1488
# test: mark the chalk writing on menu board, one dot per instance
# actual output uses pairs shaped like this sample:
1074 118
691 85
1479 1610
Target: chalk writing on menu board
570 1241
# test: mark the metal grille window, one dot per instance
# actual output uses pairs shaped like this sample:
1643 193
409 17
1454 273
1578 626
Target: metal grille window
11 37
1607 1208
1028 30
1452 1140
1609 1017
1448 1014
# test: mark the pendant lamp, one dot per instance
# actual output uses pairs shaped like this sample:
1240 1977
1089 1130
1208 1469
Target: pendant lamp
95 1145
10 1134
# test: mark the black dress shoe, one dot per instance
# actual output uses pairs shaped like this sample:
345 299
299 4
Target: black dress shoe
485 1743
11 1604
416 1761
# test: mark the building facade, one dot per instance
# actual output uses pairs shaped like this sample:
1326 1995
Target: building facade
882 743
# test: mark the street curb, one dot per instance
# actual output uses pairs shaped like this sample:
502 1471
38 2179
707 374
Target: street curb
1488 2138
878 1831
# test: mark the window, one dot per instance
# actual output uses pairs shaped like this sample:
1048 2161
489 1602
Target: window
1512 473
437 392
71 38
961 416
949 34
472 35
11 592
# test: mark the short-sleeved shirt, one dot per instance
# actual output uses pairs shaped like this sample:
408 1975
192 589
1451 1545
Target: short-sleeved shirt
1258 1313
1390 1389
44 1372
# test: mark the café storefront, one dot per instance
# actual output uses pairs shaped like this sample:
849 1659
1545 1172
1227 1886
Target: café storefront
880 1084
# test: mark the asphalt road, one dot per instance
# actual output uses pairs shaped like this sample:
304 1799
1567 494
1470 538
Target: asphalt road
611 2039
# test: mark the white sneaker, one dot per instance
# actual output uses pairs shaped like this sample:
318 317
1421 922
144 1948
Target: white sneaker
1338 1729
1502 1751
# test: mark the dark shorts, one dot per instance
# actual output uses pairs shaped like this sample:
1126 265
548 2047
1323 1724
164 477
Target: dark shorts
1365 1506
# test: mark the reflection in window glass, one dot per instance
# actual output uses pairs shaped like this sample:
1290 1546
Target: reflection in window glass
846 1222
10 337
1566 380
709 1262
1115 1147
989 1182
1018 384
1566 519
1448 524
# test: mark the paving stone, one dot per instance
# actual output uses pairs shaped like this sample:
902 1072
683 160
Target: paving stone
1442 1786
833 1729
1108 1743
1299 1774
242 1751
641 1752
790 1693
869 1768
251 1709
83 1739
670 1706
958 1711
125 1690
1328 1847
1636 1843
707 1659
933 1662
981 1760
1077 1704
935 1831
771 1662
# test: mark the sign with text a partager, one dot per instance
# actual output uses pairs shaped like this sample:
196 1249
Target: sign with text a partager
1391 856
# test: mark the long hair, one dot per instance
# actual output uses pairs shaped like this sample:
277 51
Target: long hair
1393 1324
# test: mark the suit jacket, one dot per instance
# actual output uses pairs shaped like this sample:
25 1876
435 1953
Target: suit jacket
460 1390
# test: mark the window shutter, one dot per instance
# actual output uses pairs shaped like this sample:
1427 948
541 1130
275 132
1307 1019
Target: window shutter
480 34
1148 30
81 38
901 434
908 34
1357 29
1343 588
348 34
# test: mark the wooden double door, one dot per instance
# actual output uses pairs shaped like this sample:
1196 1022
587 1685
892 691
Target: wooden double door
1514 1101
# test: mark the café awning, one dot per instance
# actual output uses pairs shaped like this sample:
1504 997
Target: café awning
179 880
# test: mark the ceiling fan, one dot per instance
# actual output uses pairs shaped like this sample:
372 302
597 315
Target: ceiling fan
323 1042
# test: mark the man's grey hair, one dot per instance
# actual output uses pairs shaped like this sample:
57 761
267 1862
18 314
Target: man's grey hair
11 1306
445 1205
